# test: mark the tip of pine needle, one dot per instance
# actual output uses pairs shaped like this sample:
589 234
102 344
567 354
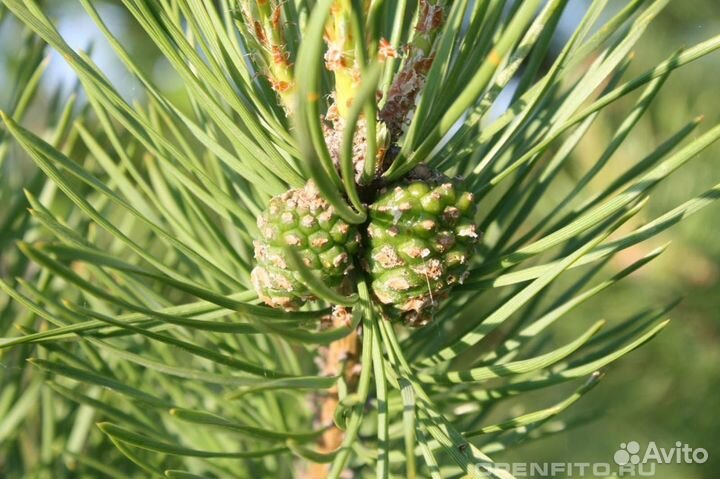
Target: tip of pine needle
640 204
699 118
661 249
595 377
102 425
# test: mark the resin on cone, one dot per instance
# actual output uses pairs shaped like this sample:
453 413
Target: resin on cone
421 237
302 220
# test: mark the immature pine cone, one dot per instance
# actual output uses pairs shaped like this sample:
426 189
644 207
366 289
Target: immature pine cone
421 237
302 220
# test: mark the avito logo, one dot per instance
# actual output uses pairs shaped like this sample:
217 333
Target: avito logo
629 453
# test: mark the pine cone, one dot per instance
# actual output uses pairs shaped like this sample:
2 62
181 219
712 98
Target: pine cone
421 237
302 220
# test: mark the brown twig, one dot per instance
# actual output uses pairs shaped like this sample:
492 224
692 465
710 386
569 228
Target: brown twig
340 357
419 55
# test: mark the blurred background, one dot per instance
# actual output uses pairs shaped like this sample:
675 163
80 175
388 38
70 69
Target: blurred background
667 391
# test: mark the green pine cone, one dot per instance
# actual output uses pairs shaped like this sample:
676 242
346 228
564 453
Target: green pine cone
302 220
421 237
